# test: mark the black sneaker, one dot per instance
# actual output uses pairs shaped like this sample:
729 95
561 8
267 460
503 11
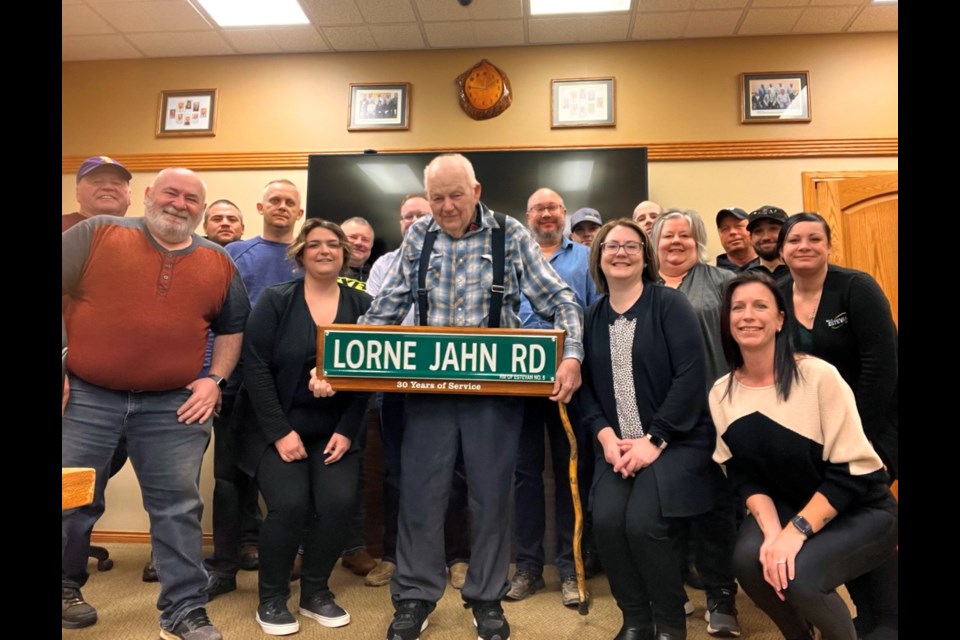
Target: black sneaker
490 622
75 613
409 620
721 616
325 610
150 572
219 584
194 626
275 619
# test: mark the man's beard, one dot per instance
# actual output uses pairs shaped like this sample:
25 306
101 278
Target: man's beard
768 254
549 238
170 230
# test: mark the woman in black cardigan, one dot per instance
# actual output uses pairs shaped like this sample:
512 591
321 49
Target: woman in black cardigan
843 317
298 446
644 396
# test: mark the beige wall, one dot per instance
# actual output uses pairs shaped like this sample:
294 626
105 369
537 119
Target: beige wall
667 92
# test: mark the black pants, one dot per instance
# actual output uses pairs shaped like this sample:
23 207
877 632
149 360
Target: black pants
712 536
540 413
438 428
236 501
456 526
637 549
305 494
855 542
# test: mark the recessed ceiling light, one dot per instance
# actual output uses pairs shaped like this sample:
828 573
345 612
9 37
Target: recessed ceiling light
254 13
554 7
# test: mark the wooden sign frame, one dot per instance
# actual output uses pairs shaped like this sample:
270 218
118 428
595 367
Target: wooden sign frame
459 384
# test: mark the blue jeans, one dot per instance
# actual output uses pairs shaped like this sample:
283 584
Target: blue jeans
166 457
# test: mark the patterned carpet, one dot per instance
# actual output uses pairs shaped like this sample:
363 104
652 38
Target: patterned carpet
127 610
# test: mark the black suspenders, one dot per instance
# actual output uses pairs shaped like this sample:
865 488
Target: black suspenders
498 241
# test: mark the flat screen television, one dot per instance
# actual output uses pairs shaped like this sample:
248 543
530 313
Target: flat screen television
371 185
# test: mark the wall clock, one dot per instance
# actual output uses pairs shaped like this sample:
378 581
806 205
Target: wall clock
484 91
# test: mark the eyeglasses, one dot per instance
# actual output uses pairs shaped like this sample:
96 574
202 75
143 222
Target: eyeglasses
553 207
629 248
414 215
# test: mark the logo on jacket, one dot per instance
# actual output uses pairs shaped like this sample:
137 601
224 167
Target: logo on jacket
840 320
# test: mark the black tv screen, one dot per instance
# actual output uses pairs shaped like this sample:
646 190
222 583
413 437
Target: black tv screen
340 186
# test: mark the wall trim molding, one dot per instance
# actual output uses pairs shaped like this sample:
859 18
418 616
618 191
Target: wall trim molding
658 152
142 537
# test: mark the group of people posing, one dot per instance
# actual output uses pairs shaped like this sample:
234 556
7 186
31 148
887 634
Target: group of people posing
698 393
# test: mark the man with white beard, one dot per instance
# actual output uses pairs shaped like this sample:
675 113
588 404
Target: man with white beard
144 293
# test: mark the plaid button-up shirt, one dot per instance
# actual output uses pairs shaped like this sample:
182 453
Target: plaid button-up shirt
461 275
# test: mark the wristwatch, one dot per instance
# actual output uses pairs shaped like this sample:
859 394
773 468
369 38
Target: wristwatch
220 380
802 526
656 441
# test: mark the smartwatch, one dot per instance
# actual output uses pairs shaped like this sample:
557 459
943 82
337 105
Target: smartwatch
656 441
220 380
802 526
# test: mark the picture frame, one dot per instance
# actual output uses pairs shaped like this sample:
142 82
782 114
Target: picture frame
188 113
582 102
779 97
379 107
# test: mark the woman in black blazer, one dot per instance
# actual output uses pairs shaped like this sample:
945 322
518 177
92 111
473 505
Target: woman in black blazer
300 447
843 317
644 396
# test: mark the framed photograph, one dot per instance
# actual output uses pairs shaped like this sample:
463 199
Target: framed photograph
582 102
379 107
188 113
778 97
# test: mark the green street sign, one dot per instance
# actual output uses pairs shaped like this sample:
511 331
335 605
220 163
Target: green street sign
437 359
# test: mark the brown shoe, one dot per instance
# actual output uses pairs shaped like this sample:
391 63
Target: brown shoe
360 562
458 574
381 575
570 593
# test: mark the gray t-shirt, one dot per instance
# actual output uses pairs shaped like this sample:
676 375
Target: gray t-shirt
703 286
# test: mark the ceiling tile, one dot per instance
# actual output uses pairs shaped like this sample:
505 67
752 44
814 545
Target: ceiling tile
660 26
499 33
325 13
299 39
350 38
178 45
452 11
700 5
779 3
877 18
579 29
251 41
481 33
664 5
769 21
153 16
97 48
379 11
713 24
396 37
441 35
79 20
824 19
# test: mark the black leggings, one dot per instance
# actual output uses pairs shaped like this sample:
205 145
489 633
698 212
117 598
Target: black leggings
305 494
856 542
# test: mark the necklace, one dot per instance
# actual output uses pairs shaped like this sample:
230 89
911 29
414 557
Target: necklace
814 301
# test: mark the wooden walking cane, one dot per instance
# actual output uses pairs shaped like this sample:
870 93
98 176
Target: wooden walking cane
584 605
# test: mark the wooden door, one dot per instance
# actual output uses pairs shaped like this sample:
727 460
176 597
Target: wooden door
862 210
